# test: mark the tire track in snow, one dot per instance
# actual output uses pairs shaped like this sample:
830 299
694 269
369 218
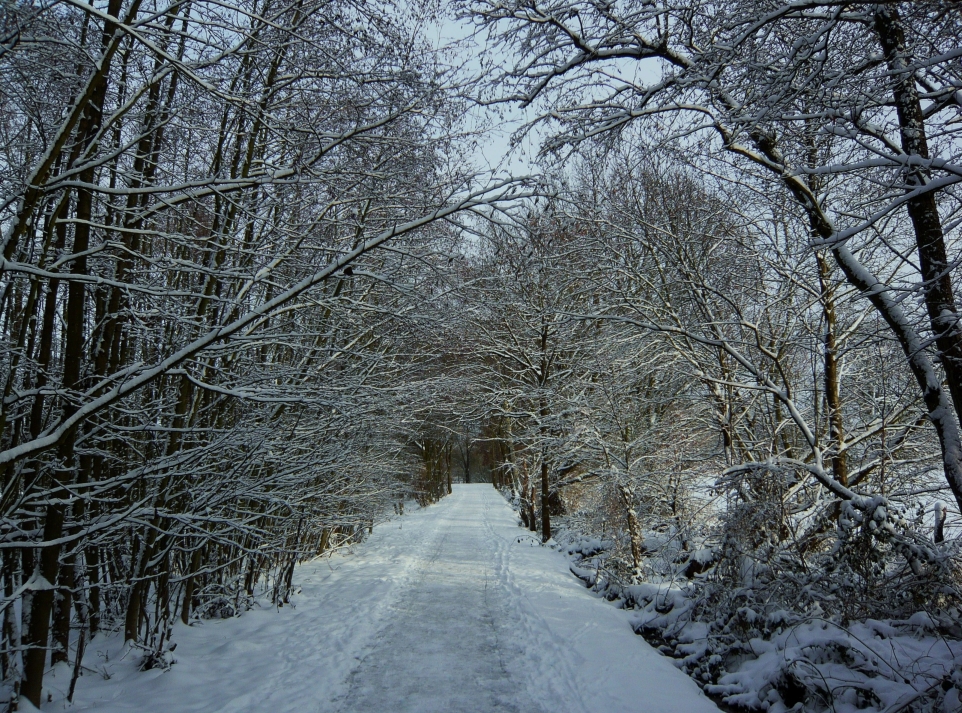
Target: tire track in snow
443 651
552 672
412 563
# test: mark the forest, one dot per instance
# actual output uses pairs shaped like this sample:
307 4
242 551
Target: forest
257 292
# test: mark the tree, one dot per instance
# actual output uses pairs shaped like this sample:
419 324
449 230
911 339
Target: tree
795 95
531 356
192 260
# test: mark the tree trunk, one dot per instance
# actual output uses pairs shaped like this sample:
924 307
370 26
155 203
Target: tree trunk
922 209
49 567
634 529
833 400
189 585
63 606
545 516
92 558
35 658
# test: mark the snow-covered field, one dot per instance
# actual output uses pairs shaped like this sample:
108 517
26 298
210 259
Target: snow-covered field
451 608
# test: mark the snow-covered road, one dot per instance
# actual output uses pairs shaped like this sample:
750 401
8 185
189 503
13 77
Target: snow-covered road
450 609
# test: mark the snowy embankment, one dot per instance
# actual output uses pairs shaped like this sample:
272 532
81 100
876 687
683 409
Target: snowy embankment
780 661
452 608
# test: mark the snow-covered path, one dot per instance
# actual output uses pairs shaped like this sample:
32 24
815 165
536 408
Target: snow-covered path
450 609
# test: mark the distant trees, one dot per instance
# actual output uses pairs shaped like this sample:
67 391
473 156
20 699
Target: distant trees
530 356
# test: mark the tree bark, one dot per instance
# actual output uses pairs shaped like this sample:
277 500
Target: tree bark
634 529
189 585
833 399
63 606
545 515
922 209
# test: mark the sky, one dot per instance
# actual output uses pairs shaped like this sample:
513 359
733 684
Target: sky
493 152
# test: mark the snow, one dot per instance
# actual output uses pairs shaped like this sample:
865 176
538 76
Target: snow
860 667
451 608
765 658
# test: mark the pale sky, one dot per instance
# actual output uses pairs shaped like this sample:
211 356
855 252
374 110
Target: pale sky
499 123
494 152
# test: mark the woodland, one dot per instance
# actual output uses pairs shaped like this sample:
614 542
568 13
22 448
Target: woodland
256 294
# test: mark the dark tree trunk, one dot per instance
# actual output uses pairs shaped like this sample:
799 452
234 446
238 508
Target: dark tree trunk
189 584
63 606
922 209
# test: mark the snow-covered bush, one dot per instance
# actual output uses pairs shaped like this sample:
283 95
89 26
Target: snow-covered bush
869 620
